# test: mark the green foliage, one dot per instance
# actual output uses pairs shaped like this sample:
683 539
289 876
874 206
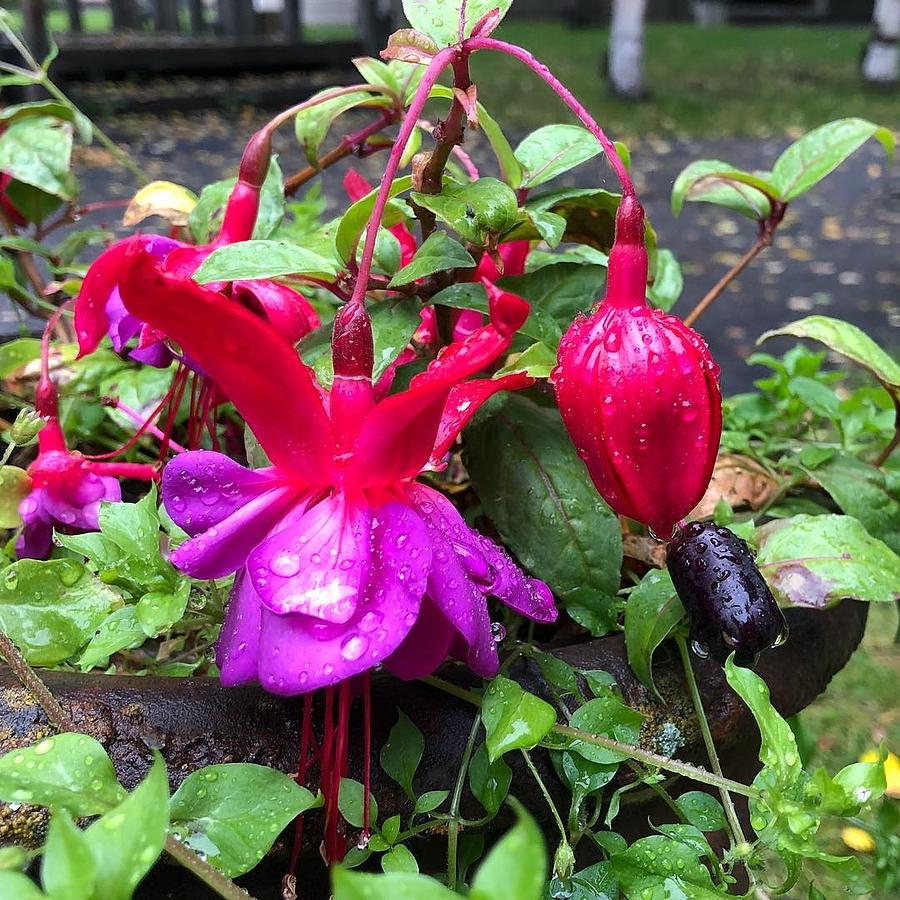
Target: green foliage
402 753
476 211
513 718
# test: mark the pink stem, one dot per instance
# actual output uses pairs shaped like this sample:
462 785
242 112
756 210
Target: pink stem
142 471
519 53
149 427
437 65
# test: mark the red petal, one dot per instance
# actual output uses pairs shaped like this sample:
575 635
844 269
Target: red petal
256 368
465 400
356 186
289 312
91 321
398 436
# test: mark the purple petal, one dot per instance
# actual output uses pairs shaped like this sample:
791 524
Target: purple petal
527 596
237 650
200 489
426 646
449 586
299 654
36 538
319 565
157 355
78 508
122 325
224 548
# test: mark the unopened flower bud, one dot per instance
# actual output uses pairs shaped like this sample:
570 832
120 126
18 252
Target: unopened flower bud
638 392
564 861
26 427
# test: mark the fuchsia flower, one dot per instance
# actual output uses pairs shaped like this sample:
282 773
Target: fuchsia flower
12 211
638 392
67 491
343 560
99 309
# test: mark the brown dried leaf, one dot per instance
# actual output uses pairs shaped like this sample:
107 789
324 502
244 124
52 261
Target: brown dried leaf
740 481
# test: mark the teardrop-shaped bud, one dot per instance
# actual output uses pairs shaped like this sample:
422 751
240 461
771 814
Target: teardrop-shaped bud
728 602
638 392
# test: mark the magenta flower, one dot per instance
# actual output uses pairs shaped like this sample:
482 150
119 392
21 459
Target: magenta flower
343 560
66 491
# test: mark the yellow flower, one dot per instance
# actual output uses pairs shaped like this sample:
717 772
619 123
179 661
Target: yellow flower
891 771
858 840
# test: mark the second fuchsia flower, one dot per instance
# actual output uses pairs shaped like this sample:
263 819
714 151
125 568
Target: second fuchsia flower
638 392
343 560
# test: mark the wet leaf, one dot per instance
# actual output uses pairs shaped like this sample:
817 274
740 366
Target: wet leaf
538 361
513 718
402 753
350 803
739 481
66 771
553 150
353 223
607 716
50 609
438 253
67 865
668 282
702 810
665 866
120 630
133 527
15 484
489 781
347 885
475 210
818 153
441 21
652 612
262 259
818 560
239 809
38 151
516 865
127 841
172 202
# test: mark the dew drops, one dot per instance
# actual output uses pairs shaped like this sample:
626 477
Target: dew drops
701 651
285 565
354 646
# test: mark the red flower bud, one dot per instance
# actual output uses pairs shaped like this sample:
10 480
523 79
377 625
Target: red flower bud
638 392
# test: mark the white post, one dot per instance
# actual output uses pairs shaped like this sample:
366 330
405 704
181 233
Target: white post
881 62
626 47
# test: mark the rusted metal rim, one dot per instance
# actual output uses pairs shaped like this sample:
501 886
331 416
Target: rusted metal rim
196 722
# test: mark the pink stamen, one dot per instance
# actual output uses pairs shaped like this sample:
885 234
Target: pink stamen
146 425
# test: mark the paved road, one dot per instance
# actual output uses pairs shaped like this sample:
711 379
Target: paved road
836 252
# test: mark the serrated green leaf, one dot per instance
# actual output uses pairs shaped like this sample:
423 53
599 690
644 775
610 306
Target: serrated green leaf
536 491
818 560
553 150
402 752
441 21
262 259
808 160
239 809
50 609
475 210
133 527
652 612
126 841
513 718
438 253
66 771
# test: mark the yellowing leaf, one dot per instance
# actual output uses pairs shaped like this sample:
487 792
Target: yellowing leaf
171 201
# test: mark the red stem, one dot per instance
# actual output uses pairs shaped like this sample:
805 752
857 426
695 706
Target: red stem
420 98
519 53
367 754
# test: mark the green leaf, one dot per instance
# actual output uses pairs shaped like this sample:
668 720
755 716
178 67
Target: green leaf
120 630
818 560
34 204
378 73
778 750
513 718
239 810
402 753
712 181
489 781
429 801
668 282
206 217
158 611
516 866
702 810
864 492
127 841
652 612
142 389
347 885
475 210
552 150
16 886
312 125
99 550
50 609
38 151
849 341
17 353
441 21
66 771
399 859
50 108
606 716
67 866
815 396
538 361
353 222
262 259
818 153
133 527
661 867
15 484
438 253
556 294
350 803
536 491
